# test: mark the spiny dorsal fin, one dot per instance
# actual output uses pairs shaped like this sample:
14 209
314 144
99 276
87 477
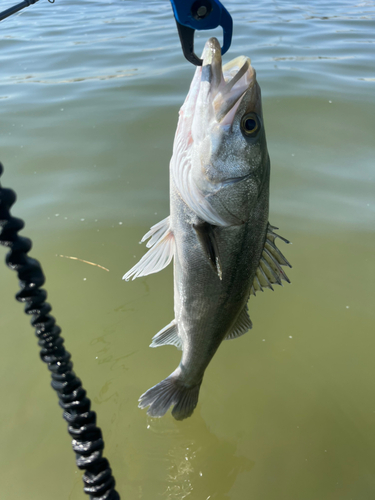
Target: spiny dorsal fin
162 246
269 271
206 237
168 336
242 325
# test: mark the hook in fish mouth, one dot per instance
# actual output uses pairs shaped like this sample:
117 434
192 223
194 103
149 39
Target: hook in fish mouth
228 83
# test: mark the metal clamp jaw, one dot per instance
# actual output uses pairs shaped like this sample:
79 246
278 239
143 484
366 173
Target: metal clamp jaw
200 15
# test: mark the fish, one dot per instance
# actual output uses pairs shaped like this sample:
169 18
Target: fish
218 235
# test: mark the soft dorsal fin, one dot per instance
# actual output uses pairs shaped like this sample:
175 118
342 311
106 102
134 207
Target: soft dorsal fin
269 271
162 246
242 325
168 336
206 237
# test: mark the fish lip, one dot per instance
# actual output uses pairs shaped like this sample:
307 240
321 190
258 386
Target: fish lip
212 63
226 86
211 52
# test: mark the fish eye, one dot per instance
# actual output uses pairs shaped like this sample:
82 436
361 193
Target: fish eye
250 124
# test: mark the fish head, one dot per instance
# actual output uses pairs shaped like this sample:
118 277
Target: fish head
223 121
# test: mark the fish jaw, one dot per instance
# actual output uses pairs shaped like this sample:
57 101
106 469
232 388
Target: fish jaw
221 89
205 129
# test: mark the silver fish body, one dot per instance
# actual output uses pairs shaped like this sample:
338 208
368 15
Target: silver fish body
218 231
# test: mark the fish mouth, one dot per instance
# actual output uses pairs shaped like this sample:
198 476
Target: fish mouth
228 83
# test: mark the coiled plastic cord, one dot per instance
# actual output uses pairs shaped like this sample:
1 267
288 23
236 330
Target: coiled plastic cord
87 442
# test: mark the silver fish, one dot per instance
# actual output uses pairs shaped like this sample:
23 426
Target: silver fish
218 231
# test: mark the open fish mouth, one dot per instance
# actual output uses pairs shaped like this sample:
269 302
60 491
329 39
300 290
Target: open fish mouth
226 84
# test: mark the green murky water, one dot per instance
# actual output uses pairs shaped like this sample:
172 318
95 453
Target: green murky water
89 95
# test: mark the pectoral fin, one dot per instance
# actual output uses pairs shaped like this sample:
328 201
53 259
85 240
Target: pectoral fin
162 247
269 271
242 325
206 237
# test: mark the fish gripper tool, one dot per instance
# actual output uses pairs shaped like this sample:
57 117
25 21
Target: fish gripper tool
200 15
87 441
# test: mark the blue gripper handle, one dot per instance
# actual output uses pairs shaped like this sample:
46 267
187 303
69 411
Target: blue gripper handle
201 15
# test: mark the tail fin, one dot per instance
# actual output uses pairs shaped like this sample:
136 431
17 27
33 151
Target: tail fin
170 391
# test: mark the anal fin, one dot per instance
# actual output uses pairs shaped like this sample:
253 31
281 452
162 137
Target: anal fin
241 326
206 237
168 336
